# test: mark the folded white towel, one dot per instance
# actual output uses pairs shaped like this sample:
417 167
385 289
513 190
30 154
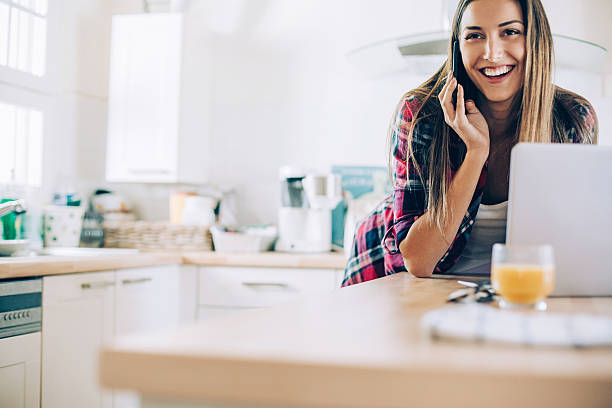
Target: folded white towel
474 321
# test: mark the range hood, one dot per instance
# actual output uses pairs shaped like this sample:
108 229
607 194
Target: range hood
424 53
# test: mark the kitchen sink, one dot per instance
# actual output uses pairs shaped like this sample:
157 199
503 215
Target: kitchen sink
16 252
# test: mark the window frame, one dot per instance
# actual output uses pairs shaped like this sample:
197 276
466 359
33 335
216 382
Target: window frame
22 79
40 93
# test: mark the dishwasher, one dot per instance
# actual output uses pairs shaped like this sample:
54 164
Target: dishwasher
20 342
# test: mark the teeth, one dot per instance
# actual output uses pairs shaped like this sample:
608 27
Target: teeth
497 71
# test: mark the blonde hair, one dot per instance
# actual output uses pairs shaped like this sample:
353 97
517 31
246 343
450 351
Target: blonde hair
547 107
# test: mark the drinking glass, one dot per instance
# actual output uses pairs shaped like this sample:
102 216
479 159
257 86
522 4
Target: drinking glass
523 275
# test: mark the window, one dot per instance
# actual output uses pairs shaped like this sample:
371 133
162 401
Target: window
23 47
21 142
23 35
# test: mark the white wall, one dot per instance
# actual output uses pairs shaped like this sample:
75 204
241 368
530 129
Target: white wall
289 96
281 89
285 93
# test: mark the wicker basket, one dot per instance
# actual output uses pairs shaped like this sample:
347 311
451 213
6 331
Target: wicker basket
157 235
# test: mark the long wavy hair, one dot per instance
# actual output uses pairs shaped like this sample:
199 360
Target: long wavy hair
544 122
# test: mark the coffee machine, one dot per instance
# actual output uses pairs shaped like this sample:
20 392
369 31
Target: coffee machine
304 218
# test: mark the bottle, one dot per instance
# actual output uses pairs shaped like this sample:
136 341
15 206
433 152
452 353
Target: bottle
92 233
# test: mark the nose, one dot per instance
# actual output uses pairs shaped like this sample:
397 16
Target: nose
493 49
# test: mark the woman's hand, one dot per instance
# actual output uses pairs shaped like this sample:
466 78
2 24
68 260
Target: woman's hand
466 119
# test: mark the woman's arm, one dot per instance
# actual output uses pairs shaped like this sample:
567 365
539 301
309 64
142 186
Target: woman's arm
424 244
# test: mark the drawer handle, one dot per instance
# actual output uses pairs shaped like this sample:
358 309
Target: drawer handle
132 281
263 285
97 285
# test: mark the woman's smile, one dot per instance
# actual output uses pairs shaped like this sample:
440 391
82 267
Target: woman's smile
497 74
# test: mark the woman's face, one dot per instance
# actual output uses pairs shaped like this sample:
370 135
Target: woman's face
492 43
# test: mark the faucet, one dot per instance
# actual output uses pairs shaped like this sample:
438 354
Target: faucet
15 206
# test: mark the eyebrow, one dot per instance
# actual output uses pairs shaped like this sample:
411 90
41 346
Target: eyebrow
501 25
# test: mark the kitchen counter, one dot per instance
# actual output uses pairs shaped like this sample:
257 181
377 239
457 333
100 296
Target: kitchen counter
356 347
266 259
20 267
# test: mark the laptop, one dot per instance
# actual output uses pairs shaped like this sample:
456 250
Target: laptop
561 194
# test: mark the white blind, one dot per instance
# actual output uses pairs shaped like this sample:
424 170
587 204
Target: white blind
21 143
23 35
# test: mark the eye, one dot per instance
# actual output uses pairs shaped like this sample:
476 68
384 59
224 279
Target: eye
471 36
511 31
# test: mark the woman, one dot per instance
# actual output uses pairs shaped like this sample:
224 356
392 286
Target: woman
451 162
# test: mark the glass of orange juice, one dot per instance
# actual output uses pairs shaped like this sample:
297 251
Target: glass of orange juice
523 275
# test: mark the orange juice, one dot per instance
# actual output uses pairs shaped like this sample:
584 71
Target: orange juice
522 283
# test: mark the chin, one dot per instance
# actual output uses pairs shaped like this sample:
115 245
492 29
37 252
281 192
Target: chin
499 96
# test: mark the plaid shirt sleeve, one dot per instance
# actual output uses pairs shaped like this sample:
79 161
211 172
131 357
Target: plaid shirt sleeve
373 256
409 192
587 113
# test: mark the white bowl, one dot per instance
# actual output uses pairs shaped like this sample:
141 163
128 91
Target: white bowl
225 241
10 246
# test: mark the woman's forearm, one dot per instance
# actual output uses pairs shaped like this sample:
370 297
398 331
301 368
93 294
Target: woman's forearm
425 245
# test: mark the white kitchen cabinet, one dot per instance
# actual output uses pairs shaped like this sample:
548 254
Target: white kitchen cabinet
188 290
226 289
20 371
339 277
77 319
146 300
81 311
154 133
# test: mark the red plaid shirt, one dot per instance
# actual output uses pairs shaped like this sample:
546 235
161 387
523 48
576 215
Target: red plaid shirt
375 252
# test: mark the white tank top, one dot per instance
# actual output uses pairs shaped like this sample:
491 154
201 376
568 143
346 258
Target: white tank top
488 229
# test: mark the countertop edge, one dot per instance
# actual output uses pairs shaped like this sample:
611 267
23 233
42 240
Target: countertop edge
56 265
282 382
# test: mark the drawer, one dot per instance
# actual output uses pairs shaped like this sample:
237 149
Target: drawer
209 312
62 288
259 287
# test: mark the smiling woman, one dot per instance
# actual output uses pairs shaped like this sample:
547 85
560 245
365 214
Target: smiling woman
450 160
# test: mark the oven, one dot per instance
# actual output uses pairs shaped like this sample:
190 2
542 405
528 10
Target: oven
20 342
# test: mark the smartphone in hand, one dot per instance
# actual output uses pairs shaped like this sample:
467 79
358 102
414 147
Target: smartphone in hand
455 67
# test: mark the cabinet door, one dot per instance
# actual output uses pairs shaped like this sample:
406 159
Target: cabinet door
20 371
258 287
339 278
188 294
210 312
143 101
147 299
77 319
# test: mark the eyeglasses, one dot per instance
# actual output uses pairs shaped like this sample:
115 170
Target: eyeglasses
481 292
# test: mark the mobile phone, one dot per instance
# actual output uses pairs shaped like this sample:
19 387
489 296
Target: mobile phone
455 67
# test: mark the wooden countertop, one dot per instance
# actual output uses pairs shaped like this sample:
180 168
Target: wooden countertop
267 259
20 267
357 347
